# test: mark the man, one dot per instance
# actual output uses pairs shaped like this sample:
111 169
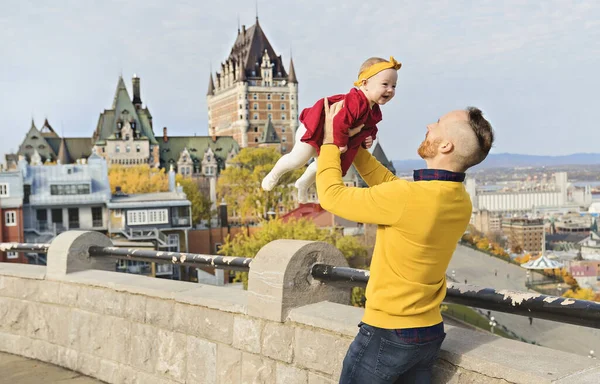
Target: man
420 224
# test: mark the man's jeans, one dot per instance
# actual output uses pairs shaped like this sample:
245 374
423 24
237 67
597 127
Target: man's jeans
392 355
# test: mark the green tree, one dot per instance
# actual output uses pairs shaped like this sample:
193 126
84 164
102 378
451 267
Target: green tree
246 245
240 184
201 204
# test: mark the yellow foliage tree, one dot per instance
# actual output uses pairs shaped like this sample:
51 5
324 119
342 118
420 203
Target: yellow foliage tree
581 294
138 179
483 244
523 259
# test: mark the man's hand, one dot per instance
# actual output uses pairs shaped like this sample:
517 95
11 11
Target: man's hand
368 142
330 112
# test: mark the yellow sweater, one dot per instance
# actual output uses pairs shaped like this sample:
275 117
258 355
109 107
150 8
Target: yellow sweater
420 224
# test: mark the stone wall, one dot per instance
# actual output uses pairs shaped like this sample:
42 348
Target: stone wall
287 328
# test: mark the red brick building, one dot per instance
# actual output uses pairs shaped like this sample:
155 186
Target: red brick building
11 215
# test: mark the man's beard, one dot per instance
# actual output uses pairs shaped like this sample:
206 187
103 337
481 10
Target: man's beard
428 150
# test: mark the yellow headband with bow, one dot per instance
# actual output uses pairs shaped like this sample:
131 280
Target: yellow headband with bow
376 68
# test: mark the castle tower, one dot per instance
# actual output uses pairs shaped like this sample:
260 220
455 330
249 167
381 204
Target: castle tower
253 93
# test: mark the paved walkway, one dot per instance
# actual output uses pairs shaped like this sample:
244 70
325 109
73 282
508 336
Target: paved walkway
20 370
478 268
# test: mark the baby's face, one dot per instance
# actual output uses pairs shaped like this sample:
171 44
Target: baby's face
381 88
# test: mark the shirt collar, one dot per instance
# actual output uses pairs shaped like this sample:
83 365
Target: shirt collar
438 174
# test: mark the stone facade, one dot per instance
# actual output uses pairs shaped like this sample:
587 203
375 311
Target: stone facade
132 329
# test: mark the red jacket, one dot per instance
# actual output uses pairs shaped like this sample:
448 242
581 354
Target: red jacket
356 111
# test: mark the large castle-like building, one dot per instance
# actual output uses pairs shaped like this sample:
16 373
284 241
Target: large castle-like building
253 98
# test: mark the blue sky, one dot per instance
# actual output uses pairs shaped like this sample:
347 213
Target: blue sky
531 66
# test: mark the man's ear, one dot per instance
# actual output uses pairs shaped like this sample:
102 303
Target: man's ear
446 147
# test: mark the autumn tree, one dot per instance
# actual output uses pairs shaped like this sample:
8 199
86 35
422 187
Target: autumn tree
240 184
581 294
245 245
201 204
138 179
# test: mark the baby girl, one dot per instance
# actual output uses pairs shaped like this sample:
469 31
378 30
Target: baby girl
353 126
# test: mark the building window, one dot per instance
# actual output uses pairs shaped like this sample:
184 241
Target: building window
240 106
283 149
4 189
256 116
138 149
26 193
254 96
12 255
103 149
292 97
255 106
282 118
270 116
70 189
283 139
97 217
255 129
268 96
117 149
10 218
283 128
269 106
241 117
282 96
73 214
256 139
151 216
128 149
117 213
127 137
283 106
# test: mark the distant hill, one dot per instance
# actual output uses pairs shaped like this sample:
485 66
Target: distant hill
510 160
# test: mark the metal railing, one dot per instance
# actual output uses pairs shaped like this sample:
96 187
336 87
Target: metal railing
565 310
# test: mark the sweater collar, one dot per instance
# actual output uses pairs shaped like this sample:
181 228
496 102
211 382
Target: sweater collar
438 174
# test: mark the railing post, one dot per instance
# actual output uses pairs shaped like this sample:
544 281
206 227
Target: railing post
68 253
280 278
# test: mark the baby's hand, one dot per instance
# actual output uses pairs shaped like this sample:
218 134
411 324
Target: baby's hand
368 142
343 149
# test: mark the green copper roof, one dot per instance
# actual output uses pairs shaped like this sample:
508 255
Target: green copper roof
123 110
196 146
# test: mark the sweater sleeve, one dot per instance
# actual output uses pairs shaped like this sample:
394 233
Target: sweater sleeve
382 204
371 170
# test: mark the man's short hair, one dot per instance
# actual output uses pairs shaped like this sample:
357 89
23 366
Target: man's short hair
483 132
370 61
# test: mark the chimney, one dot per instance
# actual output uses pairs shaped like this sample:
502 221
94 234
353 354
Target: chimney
223 214
213 134
165 136
137 98
244 30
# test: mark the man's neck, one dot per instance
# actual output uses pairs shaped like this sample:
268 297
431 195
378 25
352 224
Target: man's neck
444 165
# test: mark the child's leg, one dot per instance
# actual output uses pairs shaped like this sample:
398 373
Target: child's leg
299 155
307 179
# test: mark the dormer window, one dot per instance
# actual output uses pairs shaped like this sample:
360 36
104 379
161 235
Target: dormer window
208 158
34 137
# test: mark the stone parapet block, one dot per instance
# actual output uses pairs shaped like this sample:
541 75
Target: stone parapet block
280 278
68 253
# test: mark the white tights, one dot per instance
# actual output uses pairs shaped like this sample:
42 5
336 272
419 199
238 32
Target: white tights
300 154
